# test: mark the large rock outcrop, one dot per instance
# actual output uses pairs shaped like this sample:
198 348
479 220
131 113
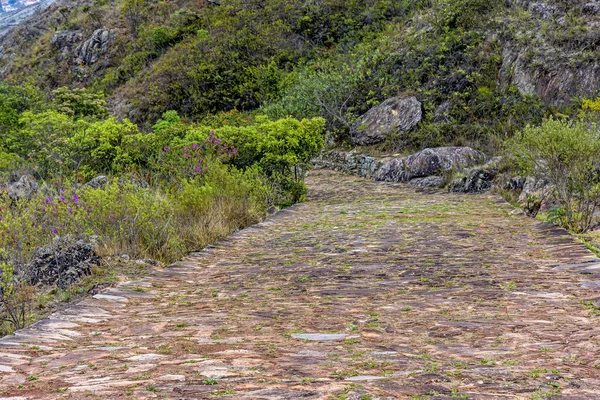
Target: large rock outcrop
24 188
92 49
429 162
63 262
591 8
64 41
348 162
429 182
555 82
477 181
393 116
538 195
98 182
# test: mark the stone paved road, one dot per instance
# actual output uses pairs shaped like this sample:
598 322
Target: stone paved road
368 290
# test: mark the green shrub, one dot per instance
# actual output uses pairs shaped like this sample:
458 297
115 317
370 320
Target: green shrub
80 103
40 139
16 298
329 91
99 148
282 150
567 154
453 14
14 100
54 144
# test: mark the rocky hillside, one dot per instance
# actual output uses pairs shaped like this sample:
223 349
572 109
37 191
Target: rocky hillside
550 49
480 70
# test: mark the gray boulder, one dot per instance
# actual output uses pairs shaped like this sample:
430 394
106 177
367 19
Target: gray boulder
24 188
478 181
63 262
98 182
592 8
393 116
433 161
441 114
348 162
395 170
515 183
537 195
429 162
92 49
64 41
430 182
544 10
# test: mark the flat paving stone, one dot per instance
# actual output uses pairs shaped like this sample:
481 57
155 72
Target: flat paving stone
363 378
429 296
588 265
590 285
109 297
319 337
146 357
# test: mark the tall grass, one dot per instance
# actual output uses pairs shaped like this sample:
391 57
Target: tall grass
162 222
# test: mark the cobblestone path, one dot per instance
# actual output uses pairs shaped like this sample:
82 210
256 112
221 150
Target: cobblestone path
366 291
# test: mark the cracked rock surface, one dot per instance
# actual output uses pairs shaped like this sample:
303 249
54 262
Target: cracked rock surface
367 289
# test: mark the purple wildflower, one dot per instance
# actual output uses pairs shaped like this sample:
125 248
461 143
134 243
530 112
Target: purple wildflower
75 199
54 230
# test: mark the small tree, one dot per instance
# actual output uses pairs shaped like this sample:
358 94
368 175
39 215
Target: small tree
16 298
80 103
133 11
566 154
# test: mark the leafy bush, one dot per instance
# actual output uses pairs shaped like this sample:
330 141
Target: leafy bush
237 170
329 90
182 162
591 105
566 154
55 144
80 103
453 14
282 150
